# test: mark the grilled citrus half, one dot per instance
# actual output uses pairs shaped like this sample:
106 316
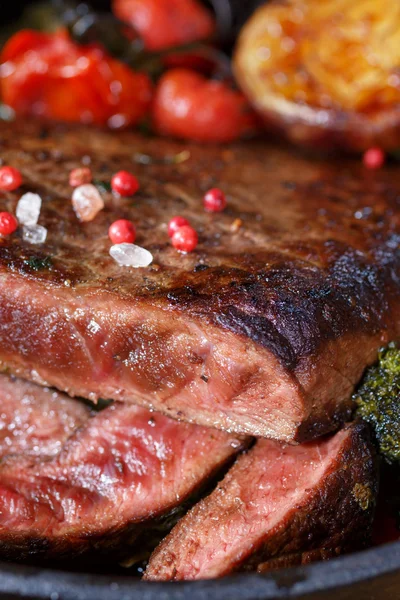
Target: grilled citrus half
325 72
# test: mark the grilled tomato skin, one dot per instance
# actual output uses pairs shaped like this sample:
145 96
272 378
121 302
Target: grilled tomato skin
164 24
325 73
50 76
187 105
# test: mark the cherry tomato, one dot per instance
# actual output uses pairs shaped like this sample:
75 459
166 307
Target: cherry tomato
48 75
185 239
166 23
10 179
189 106
122 231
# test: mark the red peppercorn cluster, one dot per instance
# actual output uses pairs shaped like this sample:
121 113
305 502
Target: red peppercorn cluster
183 236
10 180
175 224
123 183
123 231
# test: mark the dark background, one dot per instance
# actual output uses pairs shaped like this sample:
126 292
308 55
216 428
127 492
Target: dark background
12 9
231 14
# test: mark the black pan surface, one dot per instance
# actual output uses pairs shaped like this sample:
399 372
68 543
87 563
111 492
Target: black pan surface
370 575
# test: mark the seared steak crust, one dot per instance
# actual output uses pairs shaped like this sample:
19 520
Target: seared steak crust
262 330
277 506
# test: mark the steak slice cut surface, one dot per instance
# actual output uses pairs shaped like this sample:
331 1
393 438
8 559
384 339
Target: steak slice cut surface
278 504
36 422
113 478
264 329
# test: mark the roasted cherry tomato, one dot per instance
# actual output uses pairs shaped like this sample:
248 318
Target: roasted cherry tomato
187 105
166 23
48 75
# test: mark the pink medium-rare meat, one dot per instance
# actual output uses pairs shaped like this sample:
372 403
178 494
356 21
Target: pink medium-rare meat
264 329
35 421
100 480
277 503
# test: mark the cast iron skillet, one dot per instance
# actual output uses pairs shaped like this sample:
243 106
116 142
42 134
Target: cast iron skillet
370 575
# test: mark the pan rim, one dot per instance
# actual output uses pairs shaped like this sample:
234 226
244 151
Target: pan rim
22 581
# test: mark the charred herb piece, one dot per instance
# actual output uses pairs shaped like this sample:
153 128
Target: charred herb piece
231 15
103 186
39 264
169 159
122 41
87 26
378 401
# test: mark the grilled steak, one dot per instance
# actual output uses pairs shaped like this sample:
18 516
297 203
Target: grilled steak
116 475
36 422
293 502
264 329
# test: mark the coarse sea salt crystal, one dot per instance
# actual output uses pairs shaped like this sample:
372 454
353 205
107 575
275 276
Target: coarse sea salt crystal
87 202
130 255
28 209
35 234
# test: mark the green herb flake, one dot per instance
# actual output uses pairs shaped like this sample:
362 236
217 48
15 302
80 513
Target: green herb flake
39 264
102 186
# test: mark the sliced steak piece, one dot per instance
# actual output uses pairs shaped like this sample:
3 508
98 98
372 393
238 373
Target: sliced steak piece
294 502
113 479
35 421
264 329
